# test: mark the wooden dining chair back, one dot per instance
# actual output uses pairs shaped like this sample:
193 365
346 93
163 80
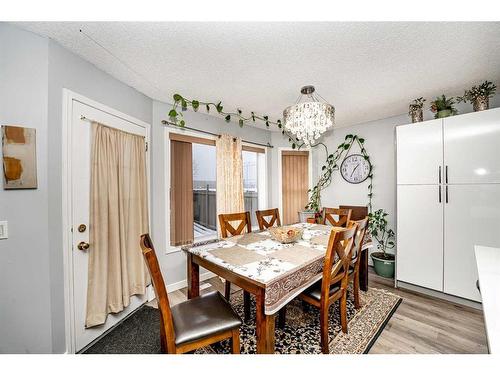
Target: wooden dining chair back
272 215
357 212
333 286
343 215
226 223
337 258
226 229
354 266
166 324
215 314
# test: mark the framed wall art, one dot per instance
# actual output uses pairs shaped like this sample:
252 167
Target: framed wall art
19 157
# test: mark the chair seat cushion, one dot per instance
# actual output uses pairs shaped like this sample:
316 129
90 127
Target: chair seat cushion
314 291
203 316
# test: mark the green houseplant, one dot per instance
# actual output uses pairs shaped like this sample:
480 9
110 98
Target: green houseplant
443 107
479 96
383 261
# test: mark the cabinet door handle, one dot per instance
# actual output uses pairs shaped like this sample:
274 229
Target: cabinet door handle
439 193
439 179
446 194
446 174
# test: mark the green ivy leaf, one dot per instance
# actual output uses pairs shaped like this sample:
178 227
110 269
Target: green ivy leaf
228 118
361 140
183 104
267 123
182 123
346 147
195 104
348 136
253 117
172 113
293 146
240 122
207 107
177 98
323 168
219 107
239 111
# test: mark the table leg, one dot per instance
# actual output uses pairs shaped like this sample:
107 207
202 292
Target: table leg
264 327
363 270
193 277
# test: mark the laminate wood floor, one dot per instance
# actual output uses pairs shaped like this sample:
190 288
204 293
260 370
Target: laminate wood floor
420 325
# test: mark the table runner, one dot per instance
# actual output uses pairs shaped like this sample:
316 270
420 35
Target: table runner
285 269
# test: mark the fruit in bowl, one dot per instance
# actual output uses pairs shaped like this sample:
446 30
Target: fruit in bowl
286 234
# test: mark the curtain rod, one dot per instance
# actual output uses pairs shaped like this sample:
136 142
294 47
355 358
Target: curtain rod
83 118
165 122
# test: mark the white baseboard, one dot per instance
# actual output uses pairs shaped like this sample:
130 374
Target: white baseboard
183 283
441 295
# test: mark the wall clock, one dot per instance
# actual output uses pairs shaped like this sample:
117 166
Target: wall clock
355 168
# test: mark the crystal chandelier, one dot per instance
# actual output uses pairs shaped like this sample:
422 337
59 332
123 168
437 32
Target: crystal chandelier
309 118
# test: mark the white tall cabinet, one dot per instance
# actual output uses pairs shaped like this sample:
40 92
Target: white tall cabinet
448 200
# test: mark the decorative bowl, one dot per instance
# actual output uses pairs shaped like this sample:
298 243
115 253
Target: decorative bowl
286 234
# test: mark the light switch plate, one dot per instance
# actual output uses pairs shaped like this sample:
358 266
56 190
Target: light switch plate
4 230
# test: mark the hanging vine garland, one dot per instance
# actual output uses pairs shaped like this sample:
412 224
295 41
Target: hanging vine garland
331 164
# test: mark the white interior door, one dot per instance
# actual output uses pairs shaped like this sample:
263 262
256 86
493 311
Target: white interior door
420 236
420 152
472 147
80 192
471 217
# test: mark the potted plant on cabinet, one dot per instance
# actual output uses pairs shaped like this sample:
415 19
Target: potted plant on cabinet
415 110
479 96
443 107
312 212
383 262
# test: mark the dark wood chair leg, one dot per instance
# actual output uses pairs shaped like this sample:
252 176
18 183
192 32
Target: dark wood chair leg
355 286
343 312
282 318
324 329
227 292
363 271
235 341
246 305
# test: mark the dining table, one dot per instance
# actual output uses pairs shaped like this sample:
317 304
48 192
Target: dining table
274 272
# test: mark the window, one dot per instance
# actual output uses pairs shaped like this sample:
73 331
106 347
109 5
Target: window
254 180
193 212
204 192
193 188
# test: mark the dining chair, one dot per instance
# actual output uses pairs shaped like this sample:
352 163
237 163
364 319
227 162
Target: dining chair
273 215
333 286
226 229
359 213
344 215
192 324
356 257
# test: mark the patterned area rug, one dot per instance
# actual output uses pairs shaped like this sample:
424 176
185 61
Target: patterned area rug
140 332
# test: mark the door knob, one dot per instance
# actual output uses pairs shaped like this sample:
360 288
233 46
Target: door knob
83 245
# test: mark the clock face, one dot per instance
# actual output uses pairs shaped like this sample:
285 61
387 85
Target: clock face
355 168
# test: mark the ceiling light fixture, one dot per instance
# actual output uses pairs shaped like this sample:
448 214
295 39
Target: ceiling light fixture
309 117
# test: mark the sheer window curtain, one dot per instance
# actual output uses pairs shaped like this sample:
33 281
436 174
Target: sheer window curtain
229 175
118 216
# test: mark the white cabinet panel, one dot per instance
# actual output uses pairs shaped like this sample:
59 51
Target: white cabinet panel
471 217
420 152
420 236
472 147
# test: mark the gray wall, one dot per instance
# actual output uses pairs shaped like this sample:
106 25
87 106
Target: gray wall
34 70
174 264
24 262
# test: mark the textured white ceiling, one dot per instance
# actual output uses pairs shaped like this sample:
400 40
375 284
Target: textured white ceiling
366 70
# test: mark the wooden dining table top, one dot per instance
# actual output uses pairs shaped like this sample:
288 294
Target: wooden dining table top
282 270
